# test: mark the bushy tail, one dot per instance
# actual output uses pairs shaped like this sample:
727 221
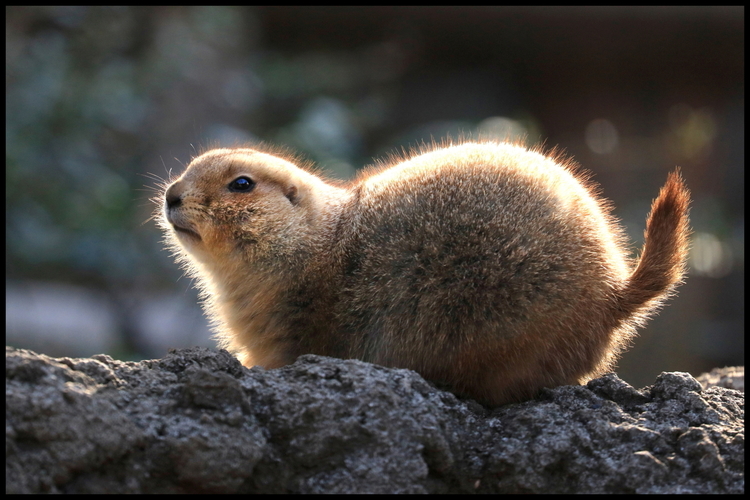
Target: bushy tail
661 266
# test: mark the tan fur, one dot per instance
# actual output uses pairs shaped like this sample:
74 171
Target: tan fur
490 269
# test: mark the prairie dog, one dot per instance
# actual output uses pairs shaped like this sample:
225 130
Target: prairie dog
489 268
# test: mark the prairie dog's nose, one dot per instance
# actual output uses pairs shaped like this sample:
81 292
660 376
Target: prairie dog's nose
173 196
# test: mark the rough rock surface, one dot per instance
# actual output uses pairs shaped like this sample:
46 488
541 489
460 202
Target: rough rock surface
731 377
197 421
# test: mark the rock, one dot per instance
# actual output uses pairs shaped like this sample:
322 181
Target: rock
731 377
197 421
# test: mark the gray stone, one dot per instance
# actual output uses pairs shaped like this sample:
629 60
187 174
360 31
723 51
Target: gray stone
731 377
197 421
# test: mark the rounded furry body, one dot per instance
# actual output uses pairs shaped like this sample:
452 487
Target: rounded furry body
490 269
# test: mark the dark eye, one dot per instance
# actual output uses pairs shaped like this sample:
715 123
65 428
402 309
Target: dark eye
241 185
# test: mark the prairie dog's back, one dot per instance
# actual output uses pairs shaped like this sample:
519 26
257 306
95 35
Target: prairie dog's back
474 245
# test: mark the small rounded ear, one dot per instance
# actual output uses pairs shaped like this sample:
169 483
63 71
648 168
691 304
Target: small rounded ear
291 194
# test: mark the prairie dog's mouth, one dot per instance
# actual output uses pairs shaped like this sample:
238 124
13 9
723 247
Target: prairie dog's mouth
188 232
180 226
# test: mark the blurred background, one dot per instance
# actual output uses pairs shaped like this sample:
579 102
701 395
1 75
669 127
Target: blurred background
102 102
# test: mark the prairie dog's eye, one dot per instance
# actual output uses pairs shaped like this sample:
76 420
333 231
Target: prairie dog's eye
241 185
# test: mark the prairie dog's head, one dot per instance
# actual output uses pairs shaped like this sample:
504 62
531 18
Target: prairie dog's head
232 203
